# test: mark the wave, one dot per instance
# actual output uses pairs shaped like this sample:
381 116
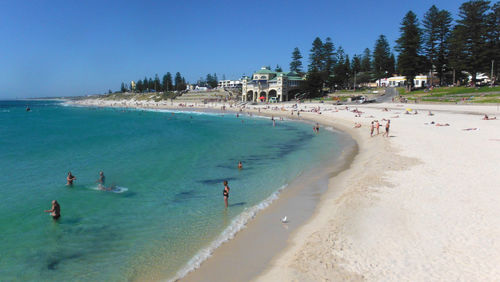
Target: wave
236 225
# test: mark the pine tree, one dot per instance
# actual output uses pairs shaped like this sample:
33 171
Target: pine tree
341 69
381 57
329 61
493 41
168 85
296 63
123 89
316 56
437 26
178 82
156 83
472 30
151 84
366 64
392 65
278 69
356 64
409 46
139 86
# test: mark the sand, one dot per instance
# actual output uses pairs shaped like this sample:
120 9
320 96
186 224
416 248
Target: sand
421 204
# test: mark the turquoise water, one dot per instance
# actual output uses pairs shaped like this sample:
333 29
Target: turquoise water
173 166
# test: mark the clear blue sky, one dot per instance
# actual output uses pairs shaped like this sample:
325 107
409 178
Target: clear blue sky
62 48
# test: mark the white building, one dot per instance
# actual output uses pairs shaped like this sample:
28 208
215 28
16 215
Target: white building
400 81
265 84
229 84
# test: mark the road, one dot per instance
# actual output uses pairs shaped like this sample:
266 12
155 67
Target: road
390 92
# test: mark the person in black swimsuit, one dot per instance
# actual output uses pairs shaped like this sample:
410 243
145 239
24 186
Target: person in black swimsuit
70 179
225 192
55 211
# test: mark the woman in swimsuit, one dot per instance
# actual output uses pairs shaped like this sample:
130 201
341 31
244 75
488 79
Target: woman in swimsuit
70 179
55 211
240 165
225 192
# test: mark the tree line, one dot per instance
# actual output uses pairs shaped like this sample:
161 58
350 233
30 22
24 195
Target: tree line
166 84
437 46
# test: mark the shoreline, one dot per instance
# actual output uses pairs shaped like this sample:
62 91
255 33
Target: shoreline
390 215
284 201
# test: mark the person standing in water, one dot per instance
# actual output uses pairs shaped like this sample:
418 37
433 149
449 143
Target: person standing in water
225 193
101 181
70 179
240 165
55 212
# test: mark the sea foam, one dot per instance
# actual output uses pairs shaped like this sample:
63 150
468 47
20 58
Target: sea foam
236 225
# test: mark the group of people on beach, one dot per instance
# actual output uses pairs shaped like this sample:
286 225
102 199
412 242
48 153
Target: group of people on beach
376 125
55 211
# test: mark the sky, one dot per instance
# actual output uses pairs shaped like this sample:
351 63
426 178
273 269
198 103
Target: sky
67 48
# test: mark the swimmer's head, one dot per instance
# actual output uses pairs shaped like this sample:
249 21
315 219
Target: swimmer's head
225 182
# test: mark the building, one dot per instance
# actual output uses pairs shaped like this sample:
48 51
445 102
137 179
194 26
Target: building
222 84
400 81
266 84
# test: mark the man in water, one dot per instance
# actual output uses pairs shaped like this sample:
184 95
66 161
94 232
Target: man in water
101 181
70 179
55 212
240 165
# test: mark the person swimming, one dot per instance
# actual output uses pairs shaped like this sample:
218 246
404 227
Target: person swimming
101 181
225 193
70 179
55 212
240 165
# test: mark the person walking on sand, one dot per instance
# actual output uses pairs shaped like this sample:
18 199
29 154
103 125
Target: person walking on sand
55 211
377 125
70 179
387 126
225 193
372 127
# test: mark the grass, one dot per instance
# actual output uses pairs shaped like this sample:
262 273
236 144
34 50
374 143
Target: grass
483 94
441 91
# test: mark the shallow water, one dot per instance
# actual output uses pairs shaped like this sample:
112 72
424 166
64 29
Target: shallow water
173 166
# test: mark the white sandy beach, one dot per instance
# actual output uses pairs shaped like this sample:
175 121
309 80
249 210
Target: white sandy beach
419 205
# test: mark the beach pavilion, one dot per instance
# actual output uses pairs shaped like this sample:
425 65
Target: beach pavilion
266 84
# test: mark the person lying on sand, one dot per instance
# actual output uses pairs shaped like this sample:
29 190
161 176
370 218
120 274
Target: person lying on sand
395 116
488 118
357 125
442 124
385 110
469 129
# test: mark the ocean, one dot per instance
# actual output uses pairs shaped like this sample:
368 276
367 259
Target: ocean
170 214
